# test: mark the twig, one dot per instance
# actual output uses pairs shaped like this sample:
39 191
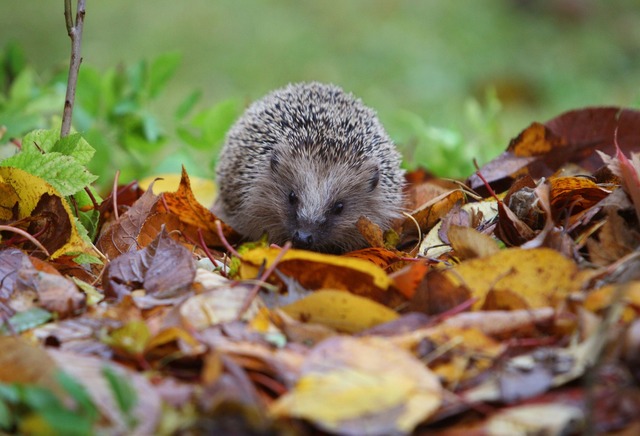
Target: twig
115 195
254 291
74 30
224 241
26 235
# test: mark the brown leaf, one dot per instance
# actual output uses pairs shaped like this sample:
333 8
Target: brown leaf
372 233
121 237
22 362
378 256
571 195
614 240
164 269
428 214
192 215
54 293
468 243
572 137
407 280
22 286
437 293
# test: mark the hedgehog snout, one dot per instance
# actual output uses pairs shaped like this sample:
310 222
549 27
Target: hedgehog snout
302 239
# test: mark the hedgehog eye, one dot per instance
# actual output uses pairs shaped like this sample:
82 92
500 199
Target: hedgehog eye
293 198
337 208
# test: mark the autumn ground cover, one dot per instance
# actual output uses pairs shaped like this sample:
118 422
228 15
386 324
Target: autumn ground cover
503 303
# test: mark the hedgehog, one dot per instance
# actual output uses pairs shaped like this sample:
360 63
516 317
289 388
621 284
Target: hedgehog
303 164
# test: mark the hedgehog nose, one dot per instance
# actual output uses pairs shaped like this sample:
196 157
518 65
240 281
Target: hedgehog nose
302 239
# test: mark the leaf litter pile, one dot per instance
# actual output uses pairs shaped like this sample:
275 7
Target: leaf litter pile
507 304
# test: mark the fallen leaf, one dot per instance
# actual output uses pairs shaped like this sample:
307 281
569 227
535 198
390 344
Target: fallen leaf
164 269
48 214
339 310
324 271
204 190
346 388
517 279
468 243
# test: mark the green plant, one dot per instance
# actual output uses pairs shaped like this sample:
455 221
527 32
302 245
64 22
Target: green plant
113 111
450 151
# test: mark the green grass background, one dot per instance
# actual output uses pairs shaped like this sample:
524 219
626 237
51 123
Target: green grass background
421 64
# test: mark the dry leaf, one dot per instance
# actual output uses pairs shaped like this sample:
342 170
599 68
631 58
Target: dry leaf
340 310
517 279
346 388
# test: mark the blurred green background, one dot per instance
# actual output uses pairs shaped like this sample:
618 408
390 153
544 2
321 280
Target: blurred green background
450 80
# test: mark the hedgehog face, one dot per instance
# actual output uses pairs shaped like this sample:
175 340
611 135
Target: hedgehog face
320 201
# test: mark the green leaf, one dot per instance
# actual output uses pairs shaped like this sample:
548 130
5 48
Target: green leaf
126 107
79 393
88 216
28 319
136 75
161 70
64 422
39 398
212 124
124 394
6 417
23 86
64 173
76 146
9 393
14 60
151 128
187 104
40 140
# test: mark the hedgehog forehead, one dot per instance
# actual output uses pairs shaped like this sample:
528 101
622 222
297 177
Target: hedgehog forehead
324 179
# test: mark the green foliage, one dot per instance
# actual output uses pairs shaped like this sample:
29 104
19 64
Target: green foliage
26 320
114 112
31 409
123 393
450 152
61 162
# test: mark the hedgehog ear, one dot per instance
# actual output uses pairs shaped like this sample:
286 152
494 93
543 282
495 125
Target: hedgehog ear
374 179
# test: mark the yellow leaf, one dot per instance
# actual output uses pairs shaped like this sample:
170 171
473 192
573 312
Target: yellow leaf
340 310
600 299
203 189
132 338
317 271
172 334
362 386
29 191
517 279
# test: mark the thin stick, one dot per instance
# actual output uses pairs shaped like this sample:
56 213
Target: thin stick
75 33
224 241
21 232
115 196
254 291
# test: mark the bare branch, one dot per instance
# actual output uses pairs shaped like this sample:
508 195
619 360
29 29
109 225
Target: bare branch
75 33
68 16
